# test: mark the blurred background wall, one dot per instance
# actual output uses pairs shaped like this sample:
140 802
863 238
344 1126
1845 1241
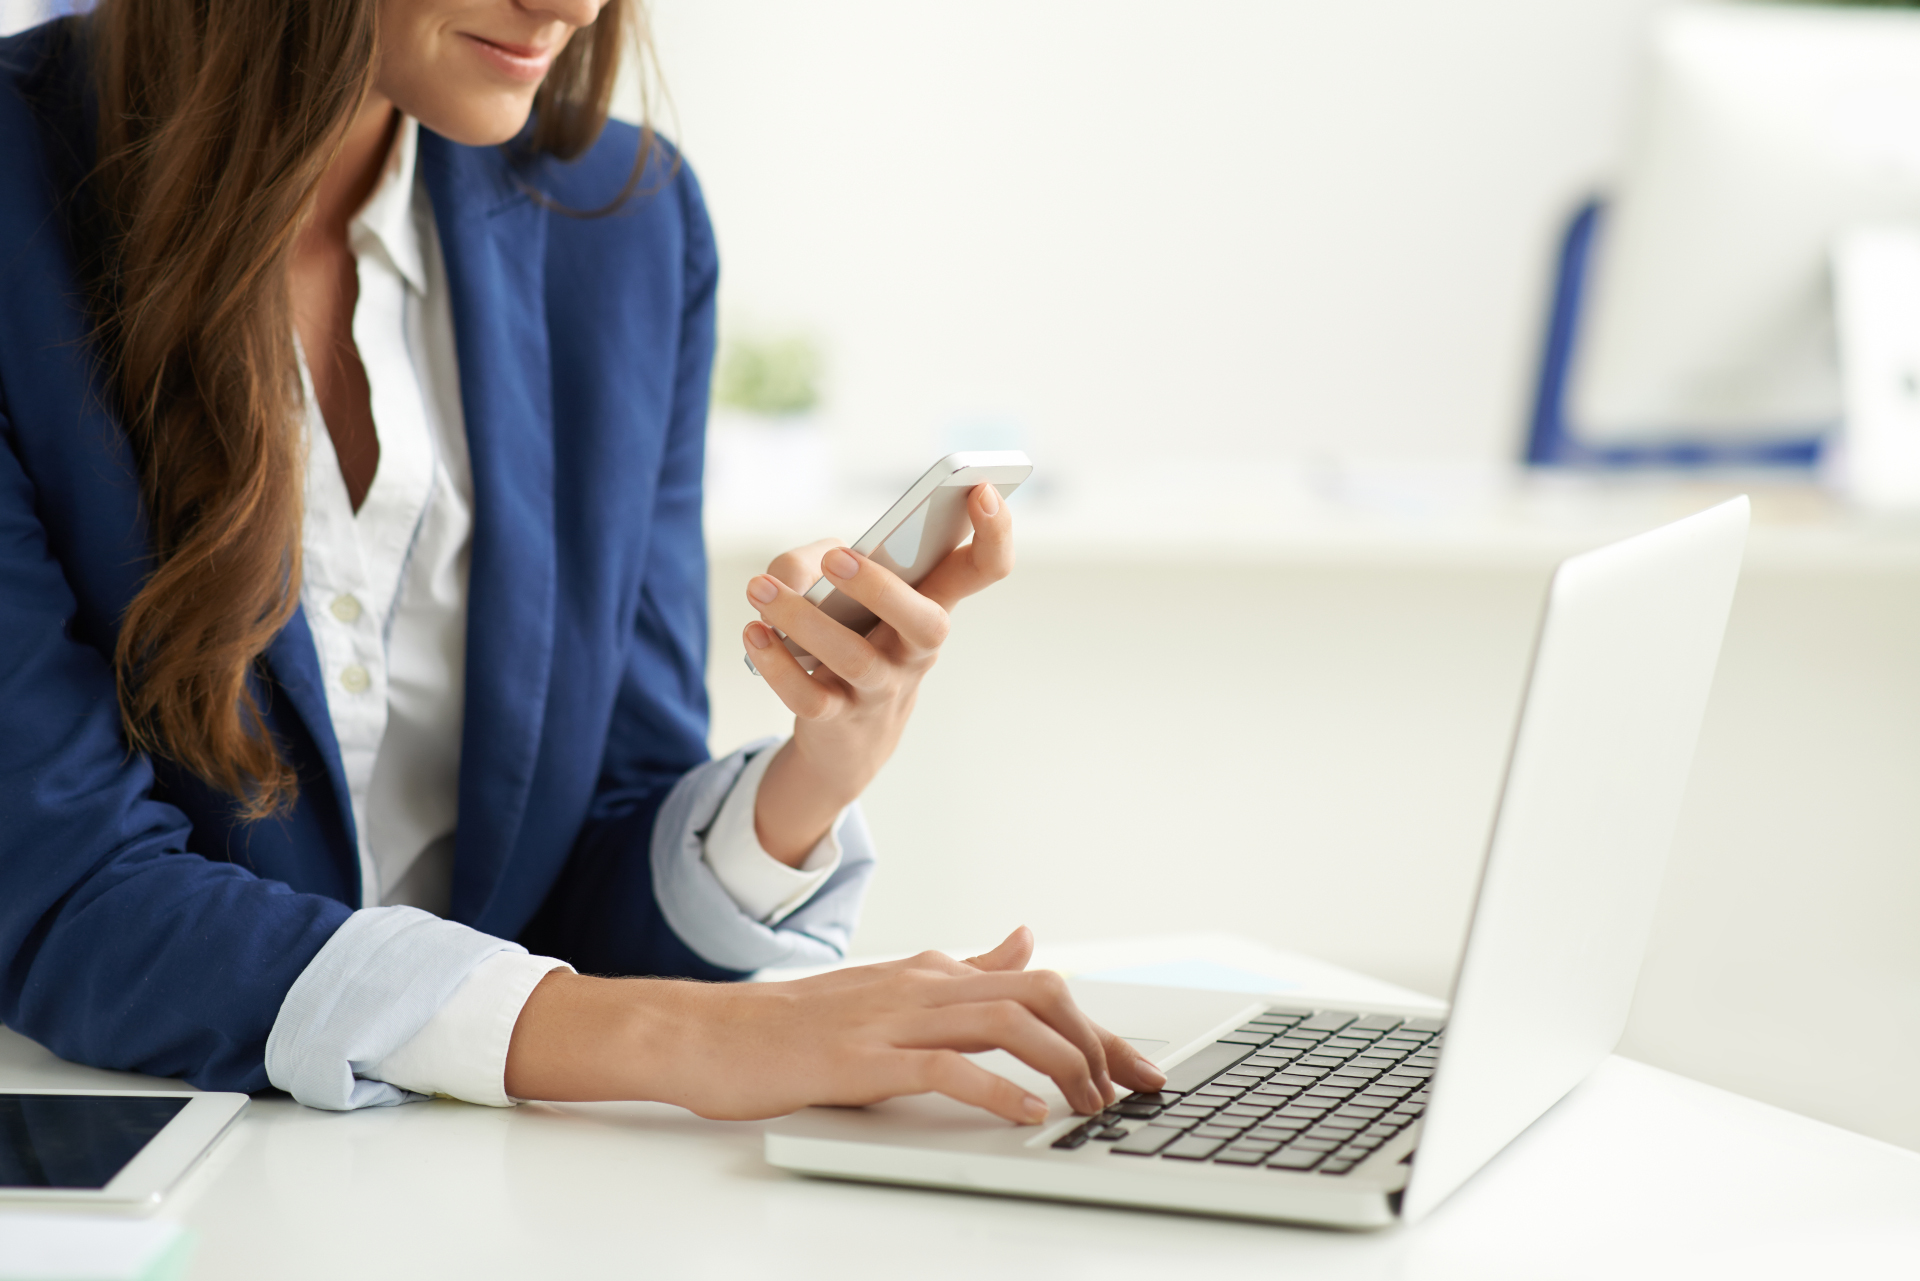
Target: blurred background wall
1271 229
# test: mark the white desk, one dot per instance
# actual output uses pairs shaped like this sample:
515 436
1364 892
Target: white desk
1637 1174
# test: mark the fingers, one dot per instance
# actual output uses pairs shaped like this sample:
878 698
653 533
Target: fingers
1045 994
804 696
1009 1025
981 563
1127 1065
920 622
800 568
950 1073
1012 953
846 655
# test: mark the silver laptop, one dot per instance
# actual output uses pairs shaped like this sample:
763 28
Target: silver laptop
1357 1117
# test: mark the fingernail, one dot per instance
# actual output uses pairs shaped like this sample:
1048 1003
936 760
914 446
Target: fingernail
1036 1111
990 500
763 590
839 564
758 636
1151 1074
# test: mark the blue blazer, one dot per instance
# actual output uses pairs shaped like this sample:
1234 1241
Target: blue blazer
141 926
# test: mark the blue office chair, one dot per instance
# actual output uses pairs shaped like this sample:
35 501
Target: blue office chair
1552 441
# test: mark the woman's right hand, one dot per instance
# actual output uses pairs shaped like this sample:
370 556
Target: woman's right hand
743 1051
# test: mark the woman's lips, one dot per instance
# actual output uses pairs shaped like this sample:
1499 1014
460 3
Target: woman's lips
515 61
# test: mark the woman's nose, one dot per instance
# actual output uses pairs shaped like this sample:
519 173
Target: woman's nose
575 13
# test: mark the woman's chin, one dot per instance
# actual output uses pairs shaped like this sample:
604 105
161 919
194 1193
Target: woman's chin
482 121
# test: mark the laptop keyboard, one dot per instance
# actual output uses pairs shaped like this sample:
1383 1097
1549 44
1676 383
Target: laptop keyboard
1301 1090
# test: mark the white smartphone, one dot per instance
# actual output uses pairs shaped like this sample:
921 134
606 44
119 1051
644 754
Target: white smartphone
917 532
106 1146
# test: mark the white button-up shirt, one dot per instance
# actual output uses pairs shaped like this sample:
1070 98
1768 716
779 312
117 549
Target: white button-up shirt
384 591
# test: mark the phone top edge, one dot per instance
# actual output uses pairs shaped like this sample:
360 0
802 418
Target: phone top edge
936 476
982 458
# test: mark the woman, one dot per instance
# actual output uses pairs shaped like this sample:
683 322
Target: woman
352 616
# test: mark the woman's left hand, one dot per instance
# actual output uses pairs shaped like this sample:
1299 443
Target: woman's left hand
849 713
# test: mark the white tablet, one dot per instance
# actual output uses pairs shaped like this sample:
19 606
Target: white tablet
105 1146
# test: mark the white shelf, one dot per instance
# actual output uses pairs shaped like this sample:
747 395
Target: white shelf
1410 517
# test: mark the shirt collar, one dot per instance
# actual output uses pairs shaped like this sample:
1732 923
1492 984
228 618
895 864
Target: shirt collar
386 220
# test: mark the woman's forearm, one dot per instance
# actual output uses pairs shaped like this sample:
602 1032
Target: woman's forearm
580 1038
798 801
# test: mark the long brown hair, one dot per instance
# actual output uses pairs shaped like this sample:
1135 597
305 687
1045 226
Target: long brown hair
217 120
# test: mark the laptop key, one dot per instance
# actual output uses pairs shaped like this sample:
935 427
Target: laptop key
1147 1140
1336 1167
1192 1148
1293 1159
1235 1156
1377 1022
1072 1138
1423 1025
1203 1065
1217 1131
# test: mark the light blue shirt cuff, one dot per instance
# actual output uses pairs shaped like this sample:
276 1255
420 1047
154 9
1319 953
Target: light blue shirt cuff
369 991
708 919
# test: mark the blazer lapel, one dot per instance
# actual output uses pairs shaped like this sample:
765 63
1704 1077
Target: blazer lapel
295 665
493 239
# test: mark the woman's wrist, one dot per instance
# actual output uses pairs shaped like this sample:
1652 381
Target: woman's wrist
580 1038
799 799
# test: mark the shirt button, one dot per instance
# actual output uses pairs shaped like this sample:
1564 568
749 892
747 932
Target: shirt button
345 608
355 680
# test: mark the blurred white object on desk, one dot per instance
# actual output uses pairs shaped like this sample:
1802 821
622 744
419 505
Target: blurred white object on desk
77 1247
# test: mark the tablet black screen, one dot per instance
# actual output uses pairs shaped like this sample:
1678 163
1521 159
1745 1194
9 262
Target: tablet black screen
76 1140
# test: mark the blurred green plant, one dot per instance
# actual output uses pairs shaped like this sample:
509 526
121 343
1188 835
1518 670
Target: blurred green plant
779 377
